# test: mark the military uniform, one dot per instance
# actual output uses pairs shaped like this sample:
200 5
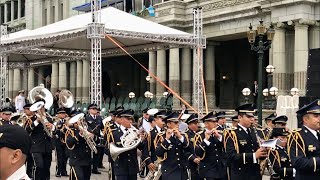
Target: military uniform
7 111
212 165
240 145
192 166
172 153
304 145
80 155
41 149
264 133
126 164
61 148
94 126
279 158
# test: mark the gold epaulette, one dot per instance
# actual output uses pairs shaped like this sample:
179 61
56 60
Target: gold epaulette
200 132
231 129
296 130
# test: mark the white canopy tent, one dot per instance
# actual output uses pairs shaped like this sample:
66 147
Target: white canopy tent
67 38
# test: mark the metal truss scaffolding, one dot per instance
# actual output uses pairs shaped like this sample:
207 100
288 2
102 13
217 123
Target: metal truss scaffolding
3 69
198 61
95 32
3 79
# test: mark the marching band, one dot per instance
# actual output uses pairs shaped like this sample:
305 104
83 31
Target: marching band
210 152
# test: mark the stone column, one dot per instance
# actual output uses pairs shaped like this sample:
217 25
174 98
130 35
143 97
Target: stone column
209 75
161 72
54 77
152 68
73 71
79 81
10 80
314 37
12 10
31 78
280 75
301 57
41 79
57 9
174 75
16 81
62 75
19 9
5 12
186 73
86 81
65 9
49 9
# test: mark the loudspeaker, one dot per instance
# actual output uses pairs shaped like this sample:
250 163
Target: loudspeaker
313 73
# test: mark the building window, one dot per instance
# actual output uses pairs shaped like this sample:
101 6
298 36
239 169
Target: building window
61 11
15 10
23 8
45 17
8 12
53 17
2 14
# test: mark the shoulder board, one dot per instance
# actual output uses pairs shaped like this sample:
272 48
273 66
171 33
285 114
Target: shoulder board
200 132
296 130
161 133
231 128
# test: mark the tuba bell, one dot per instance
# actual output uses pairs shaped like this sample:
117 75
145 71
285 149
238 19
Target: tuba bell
66 98
40 92
129 140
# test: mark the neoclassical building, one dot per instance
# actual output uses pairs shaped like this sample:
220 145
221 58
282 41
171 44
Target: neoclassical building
229 63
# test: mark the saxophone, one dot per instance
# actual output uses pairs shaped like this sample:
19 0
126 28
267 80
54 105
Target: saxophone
266 163
156 174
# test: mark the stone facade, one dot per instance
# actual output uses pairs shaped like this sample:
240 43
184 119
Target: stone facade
229 64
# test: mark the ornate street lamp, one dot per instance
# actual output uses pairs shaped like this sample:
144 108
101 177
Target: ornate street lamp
261 46
273 91
165 94
132 95
246 92
294 91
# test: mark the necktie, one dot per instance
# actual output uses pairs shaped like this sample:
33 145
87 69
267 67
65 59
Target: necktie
318 134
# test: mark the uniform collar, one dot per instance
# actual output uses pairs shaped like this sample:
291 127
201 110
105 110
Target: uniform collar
158 129
244 128
313 132
19 174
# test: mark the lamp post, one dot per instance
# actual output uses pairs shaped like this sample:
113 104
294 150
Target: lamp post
270 69
246 92
273 92
294 91
148 79
261 46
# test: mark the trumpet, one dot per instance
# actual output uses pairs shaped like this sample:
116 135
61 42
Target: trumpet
83 126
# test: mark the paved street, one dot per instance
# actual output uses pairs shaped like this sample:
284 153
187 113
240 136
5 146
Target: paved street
103 175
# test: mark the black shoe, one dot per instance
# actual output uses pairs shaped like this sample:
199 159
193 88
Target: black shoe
58 175
96 172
